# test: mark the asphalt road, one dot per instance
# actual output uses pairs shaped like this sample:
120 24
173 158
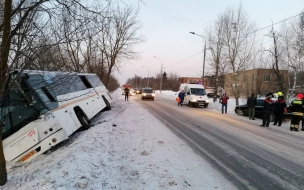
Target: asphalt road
250 156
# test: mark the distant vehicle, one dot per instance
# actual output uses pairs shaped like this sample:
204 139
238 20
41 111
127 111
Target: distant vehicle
195 95
211 95
138 91
40 109
147 93
243 110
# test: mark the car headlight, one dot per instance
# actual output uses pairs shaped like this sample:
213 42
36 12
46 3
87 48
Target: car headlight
207 101
153 94
193 100
144 94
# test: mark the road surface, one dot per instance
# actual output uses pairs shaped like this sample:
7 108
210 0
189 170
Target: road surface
250 156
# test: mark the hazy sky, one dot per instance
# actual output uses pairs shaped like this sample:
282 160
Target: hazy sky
166 25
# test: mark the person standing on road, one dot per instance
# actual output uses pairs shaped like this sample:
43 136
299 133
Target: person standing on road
251 103
268 108
127 92
181 96
296 108
279 107
224 101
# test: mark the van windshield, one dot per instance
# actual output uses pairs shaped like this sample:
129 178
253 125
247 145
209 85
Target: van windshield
198 91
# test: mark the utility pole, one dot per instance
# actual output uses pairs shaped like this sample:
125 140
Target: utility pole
204 56
161 74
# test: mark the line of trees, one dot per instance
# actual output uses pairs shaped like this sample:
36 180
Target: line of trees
61 35
169 81
235 46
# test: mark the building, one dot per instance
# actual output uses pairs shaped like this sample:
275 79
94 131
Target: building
192 80
256 81
244 83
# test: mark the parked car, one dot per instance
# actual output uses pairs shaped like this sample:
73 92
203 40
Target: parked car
147 93
242 110
211 95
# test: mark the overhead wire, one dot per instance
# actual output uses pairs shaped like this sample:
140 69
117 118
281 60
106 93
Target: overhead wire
185 59
247 35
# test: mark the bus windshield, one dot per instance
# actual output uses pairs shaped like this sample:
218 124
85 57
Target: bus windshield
18 107
198 91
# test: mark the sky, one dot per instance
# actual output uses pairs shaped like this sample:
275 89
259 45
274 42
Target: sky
166 25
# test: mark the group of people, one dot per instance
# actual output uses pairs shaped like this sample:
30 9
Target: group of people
277 107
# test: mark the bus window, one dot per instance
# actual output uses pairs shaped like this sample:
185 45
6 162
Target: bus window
94 80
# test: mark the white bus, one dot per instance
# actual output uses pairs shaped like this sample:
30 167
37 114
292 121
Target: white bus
40 109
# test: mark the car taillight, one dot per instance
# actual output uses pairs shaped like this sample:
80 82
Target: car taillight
285 110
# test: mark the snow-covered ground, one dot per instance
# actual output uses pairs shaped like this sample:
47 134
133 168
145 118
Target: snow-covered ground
126 148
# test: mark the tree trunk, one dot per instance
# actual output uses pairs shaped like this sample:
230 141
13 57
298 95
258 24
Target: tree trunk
5 46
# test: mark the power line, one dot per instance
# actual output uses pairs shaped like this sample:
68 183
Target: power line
275 23
184 59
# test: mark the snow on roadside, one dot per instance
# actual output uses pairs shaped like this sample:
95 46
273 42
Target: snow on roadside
127 148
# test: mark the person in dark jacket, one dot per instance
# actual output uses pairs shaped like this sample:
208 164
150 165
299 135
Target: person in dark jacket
251 103
296 108
224 101
268 108
181 96
279 107
127 93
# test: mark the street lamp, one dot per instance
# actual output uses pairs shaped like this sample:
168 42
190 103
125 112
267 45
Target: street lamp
204 55
148 75
161 74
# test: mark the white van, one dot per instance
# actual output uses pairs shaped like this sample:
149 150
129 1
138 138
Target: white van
195 94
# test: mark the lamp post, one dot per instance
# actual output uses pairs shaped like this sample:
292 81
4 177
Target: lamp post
148 76
204 55
161 74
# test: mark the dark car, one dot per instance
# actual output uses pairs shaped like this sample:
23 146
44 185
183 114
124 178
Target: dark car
138 91
147 93
211 95
242 110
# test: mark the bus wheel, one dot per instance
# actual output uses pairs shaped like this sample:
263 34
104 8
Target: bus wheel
83 120
108 105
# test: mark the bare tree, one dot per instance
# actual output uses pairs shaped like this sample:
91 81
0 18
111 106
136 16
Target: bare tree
275 63
119 37
238 43
215 37
293 48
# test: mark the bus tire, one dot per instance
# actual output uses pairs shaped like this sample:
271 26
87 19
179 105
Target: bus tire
108 105
83 120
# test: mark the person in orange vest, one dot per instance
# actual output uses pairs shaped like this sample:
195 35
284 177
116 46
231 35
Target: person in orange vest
296 108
